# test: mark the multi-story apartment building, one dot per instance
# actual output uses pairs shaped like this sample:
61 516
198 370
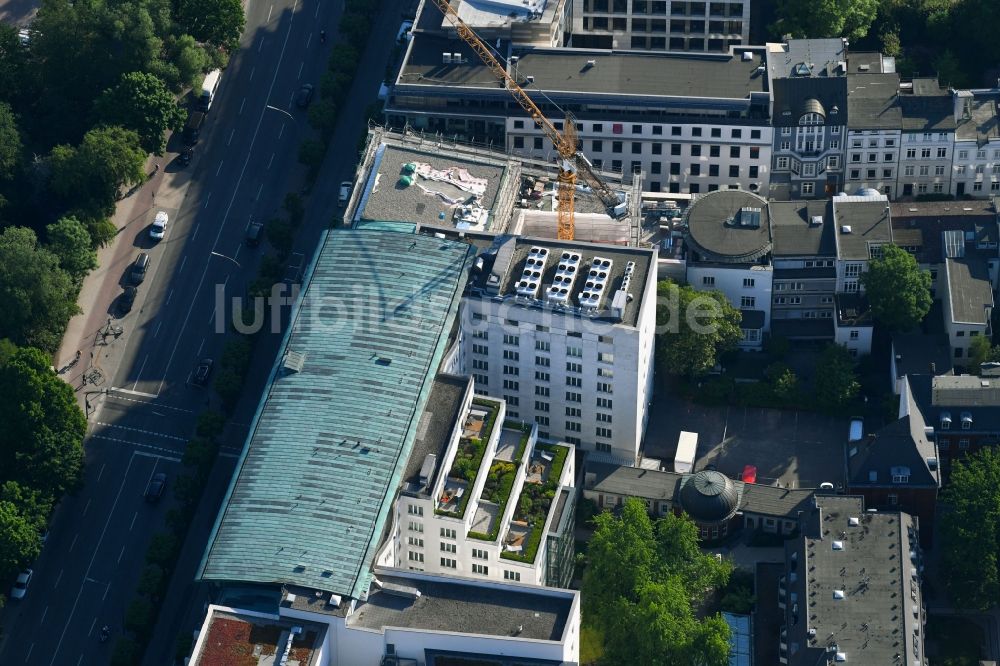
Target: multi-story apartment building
963 411
976 168
928 136
850 590
512 522
563 332
874 130
660 25
808 78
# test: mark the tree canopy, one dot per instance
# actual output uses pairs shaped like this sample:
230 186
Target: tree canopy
37 297
10 142
693 328
642 581
970 527
216 22
94 172
898 290
836 382
826 18
142 102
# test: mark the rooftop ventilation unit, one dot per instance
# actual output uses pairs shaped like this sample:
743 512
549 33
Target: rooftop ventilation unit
622 297
816 220
846 229
597 282
427 469
531 276
456 58
838 545
446 58
838 594
853 521
562 285
864 68
747 56
293 361
397 590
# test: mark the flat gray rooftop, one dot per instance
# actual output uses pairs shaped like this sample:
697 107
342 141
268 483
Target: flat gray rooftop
795 234
461 606
718 226
869 223
566 70
970 290
436 423
338 418
983 122
423 202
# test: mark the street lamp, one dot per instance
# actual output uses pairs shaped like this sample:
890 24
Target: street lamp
86 399
227 258
274 108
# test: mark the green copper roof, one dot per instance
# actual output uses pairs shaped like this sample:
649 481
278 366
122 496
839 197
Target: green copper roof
333 432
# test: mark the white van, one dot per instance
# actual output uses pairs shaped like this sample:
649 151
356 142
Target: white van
209 88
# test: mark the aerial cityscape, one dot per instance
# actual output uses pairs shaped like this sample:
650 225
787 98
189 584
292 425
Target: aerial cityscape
499 332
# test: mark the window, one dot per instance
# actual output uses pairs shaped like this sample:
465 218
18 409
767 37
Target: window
602 447
541 376
511 340
511 385
414 510
448 533
512 575
852 270
833 161
574 381
748 283
695 169
511 355
542 361
605 372
716 132
510 370
604 402
574 352
713 170
596 146
748 302
479 364
893 499
637 148
601 431
807 188
734 151
542 391
855 157
519 142
616 146
481 569
482 380
512 400
963 154
449 563
414 556
887 173
416 526
714 151
573 426
900 478
963 444
855 334
734 171
415 541
696 150
604 387
448 547
605 357
480 554
782 163
911 153
603 418
573 397
541 406
942 152
574 367
908 170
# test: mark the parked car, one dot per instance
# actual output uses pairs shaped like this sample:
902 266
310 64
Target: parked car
154 490
202 372
21 584
127 299
255 231
139 268
345 192
159 228
305 95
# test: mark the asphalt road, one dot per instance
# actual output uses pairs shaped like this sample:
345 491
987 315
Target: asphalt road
141 408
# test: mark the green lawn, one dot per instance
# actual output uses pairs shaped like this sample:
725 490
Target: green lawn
953 641
591 645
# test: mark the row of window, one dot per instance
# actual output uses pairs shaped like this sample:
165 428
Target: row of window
657 130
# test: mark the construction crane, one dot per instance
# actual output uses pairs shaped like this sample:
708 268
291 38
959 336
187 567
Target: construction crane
572 162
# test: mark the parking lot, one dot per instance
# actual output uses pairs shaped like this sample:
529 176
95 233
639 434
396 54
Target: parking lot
790 448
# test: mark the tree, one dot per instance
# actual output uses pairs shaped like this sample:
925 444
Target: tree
20 542
151 581
323 117
836 383
10 142
70 241
190 60
981 351
642 584
694 327
41 444
311 154
971 531
37 297
898 290
139 616
93 173
217 22
826 18
141 102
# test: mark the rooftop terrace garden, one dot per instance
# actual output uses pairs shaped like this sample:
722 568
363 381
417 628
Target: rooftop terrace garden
233 642
537 495
503 473
476 432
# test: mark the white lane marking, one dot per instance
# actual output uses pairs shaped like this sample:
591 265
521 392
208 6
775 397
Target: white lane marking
318 5
236 255
138 393
157 331
55 655
252 70
309 39
219 170
136 515
107 587
270 161
158 457
79 661
58 578
232 200
44 613
172 458
141 368
257 198
222 454
183 261
260 46
73 544
120 556
158 405
208 197
101 473
28 657
301 66
141 431
281 131
169 296
92 625
194 234
231 135
271 9
241 106
200 347
86 508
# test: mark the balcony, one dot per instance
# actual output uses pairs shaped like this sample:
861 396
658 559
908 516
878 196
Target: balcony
541 483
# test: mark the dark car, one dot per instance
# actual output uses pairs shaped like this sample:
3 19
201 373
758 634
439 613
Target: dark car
254 233
202 371
192 130
126 300
154 490
304 96
185 157
139 268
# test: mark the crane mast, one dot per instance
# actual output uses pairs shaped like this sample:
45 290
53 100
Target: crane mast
571 161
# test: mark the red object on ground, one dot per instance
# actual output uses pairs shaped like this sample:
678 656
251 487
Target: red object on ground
750 474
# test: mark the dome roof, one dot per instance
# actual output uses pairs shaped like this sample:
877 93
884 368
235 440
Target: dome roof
812 105
868 192
709 497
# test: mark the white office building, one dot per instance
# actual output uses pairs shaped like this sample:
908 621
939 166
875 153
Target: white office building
563 332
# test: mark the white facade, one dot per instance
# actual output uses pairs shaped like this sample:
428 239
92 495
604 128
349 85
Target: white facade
689 158
925 163
976 163
745 287
857 339
872 160
660 25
